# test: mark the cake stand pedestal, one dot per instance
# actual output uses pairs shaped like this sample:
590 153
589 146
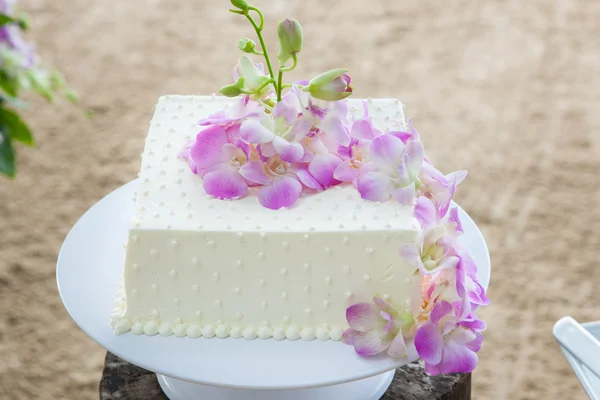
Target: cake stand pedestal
89 267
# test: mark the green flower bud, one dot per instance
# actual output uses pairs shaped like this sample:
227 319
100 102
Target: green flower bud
234 89
332 85
289 33
247 45
241 4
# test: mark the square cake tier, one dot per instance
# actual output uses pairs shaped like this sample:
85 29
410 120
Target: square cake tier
200 266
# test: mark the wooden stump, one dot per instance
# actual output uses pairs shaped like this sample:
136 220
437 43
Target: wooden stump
124 381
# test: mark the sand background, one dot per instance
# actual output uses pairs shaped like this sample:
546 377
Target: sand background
506 89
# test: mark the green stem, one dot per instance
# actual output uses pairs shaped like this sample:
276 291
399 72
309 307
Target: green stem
278 87
260 15
261 40
265 105
259 89
295 63
283 69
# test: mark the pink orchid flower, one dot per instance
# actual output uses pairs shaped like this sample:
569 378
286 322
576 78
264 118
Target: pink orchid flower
218 162
447 343
234 114
467 285
439 187
321 162
280 131
280 186
355 144
434 249
375 328
393 170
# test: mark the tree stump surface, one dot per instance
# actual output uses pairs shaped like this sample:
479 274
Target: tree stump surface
124 381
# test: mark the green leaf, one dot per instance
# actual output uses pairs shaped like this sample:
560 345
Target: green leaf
5 20
15 127
10 86
7 155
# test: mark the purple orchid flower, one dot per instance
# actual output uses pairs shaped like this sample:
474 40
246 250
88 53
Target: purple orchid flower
446 343
233 115
393 170
354 145
435 248
280 185
439 187
218 162
280 131
375 328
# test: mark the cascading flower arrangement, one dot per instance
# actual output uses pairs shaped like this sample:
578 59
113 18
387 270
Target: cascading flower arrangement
282 139
20 69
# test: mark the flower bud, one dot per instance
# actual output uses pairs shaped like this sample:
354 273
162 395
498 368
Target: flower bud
332 85
247 45
234 89
289 33
253 74
241 4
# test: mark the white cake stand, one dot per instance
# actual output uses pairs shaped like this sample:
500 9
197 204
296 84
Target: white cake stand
89 265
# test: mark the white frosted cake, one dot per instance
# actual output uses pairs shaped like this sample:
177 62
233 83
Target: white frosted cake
286 211
197 265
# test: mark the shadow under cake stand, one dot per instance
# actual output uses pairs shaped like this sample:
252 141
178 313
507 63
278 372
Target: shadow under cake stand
89 266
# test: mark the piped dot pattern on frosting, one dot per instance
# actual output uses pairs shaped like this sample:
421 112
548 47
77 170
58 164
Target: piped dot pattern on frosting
247 229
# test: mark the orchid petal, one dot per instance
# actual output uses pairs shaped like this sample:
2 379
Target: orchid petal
398 348
363 317
475 344
375 186
382 304
457 359
256 133
282 193
445 201
412 130
288 151
363 129
404 136
405 195
440 310
454 218
429 343
334 127
345 172
458 175
207 150
414 150
299 130
322 168
448 262
386 152
462 336
267 150
306 178
286 111
349 336
225 183
255 171
370 343
412 255
425 212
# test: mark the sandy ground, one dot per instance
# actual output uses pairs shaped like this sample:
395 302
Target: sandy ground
506 89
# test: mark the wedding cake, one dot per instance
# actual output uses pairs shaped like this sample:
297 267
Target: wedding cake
287 211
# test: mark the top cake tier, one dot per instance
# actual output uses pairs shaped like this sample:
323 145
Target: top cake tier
170 196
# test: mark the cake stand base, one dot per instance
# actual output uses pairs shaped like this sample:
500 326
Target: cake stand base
365 389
